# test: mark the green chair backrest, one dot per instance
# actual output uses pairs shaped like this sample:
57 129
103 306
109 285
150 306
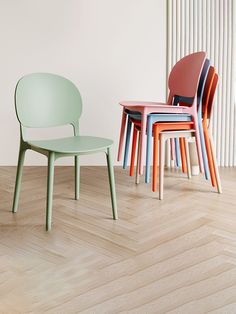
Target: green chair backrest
47 100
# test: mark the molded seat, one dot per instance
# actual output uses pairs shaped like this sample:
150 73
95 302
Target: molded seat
143 103
74 144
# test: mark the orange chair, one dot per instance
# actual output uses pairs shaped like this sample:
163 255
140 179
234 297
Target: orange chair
209 93
170 126
208 98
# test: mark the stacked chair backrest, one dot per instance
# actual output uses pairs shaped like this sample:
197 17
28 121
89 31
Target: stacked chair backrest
179 79
208 90
212 94
183 101
202 81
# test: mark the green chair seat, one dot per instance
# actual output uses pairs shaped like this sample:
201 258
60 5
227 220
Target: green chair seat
73 144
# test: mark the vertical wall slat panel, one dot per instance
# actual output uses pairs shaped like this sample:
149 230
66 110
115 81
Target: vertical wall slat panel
194 25
232 64
224 81
190 26
227 76
204 19
186 27
183 26
214 39
208 25
169 55
218 64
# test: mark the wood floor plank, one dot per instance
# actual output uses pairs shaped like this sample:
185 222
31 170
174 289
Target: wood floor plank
175 256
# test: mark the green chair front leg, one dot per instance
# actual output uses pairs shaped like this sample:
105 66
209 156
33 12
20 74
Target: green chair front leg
19 172
112 183
50 179
77 177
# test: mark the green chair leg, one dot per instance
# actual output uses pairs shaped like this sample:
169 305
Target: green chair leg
20 165
77 177
51 159
112 183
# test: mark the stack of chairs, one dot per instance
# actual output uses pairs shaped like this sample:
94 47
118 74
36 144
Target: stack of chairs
187 113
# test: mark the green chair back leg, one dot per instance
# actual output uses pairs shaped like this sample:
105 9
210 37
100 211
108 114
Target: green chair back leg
77 177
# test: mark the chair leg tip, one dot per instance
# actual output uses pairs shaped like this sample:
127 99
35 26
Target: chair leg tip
115 216
48 226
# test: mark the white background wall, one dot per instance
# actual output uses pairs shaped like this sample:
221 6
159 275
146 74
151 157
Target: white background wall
111 49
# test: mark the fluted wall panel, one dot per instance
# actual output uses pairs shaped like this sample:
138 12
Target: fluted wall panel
194 25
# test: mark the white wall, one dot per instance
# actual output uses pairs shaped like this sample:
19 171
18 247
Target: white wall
111 49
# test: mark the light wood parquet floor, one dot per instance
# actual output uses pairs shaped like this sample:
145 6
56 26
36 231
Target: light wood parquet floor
172 256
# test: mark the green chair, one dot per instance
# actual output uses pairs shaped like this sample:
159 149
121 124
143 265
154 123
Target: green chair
48 100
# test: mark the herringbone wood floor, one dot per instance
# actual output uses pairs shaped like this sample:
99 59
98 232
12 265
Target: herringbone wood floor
172 256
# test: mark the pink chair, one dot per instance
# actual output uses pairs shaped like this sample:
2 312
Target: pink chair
183 81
